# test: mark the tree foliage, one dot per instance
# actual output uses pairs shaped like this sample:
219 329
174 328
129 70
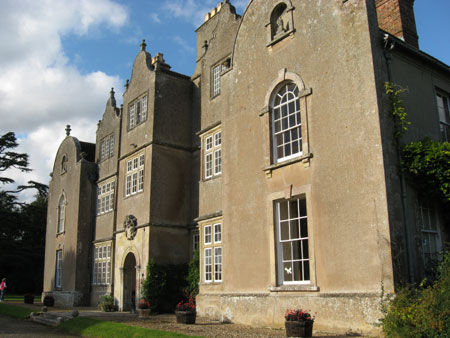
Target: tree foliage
22 225
428 164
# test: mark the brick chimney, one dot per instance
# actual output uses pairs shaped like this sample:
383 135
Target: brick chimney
397 18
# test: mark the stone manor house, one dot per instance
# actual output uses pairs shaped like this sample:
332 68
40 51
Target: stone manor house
276 159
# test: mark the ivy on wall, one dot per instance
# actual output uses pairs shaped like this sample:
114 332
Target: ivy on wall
427 161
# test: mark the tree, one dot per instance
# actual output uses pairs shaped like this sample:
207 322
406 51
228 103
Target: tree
22 225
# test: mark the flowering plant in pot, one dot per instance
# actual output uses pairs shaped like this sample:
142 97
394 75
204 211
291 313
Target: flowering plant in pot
298 323
144 308
186 312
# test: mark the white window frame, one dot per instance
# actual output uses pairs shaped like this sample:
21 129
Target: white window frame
134 180
105 197
208 234
208 266
294 218
286 126
212 251
430 230
101 266
443 105
217 233
106 148
58 269
217 263
212 144
137 112
61 214
216 70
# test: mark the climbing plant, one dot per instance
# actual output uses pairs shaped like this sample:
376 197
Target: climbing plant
428 164
427 161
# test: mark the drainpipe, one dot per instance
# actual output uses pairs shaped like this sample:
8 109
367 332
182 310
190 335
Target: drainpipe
388 46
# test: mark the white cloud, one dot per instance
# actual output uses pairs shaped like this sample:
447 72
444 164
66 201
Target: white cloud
184 45
40 91
155 17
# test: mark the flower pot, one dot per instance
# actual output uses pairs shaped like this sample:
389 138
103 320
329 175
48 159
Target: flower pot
186 317
299 329
143 313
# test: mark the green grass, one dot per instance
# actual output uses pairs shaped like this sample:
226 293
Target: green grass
20 298
93 328
14 311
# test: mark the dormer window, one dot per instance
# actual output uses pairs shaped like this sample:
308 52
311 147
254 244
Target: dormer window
281 24
137 112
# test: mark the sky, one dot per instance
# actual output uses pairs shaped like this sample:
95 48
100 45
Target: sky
59 60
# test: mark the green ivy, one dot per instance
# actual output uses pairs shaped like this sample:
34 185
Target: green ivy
394 93
428 164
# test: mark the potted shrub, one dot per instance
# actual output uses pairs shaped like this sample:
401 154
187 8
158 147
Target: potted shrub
107 303
298 323
144 309
28 298
185 312
49 300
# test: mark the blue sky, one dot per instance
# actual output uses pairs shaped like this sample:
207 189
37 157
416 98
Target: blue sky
59 59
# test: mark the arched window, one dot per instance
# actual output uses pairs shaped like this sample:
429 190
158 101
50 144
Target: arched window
286 123
64 164
61 214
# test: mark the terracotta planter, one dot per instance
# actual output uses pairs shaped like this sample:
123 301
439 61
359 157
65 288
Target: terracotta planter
186 317
299 329
143 313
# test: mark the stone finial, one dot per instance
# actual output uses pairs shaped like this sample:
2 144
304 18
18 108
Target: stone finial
68 130
127 84
143 45
112 93
205 45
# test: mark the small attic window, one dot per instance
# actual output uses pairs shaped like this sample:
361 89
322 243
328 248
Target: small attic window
281 23
64 164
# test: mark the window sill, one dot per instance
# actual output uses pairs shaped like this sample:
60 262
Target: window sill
210 283
211 178
280 37
306 158
294 288
106 213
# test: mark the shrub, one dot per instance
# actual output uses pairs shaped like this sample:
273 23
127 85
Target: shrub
422 312
163 285
193 277
107 303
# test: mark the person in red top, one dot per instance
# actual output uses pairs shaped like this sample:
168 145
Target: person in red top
2 289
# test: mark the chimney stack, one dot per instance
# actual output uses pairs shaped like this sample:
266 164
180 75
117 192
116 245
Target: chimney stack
397 18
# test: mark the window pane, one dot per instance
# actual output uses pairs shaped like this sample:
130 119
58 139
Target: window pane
287 251
287 270
283 207
305 249
295 232
304 227
284 231
296 250
297 274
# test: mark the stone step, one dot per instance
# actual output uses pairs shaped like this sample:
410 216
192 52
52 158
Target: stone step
50 318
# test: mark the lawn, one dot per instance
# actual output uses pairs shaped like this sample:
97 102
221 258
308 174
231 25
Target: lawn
14 311
88 327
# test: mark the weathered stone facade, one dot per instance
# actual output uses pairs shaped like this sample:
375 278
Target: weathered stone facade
276 159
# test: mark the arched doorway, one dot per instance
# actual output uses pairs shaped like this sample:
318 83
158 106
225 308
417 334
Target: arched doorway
129 283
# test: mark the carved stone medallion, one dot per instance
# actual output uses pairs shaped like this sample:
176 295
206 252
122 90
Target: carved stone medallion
130 225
